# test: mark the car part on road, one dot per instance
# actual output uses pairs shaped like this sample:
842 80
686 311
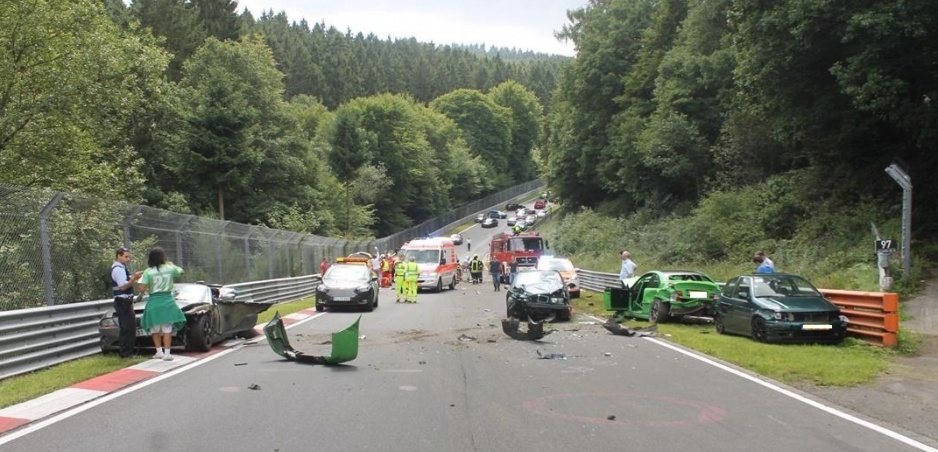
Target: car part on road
535 331
344 344
613 327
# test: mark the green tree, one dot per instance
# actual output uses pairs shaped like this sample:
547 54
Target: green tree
70 84
236 93
486 126
176 22
526 116
346 157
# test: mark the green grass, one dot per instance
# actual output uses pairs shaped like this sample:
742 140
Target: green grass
29 386
286 308
852 363
25 387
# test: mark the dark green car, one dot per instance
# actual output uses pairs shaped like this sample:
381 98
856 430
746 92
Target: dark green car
660 296
778 307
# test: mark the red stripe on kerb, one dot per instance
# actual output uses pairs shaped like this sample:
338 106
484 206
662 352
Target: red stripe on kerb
115 380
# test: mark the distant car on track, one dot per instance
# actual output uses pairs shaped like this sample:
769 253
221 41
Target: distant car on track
348 285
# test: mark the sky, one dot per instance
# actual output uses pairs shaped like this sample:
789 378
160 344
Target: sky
523 24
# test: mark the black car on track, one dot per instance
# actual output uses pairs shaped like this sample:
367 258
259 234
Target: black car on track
213 313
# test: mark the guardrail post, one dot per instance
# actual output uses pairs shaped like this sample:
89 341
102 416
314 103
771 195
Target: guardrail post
47 247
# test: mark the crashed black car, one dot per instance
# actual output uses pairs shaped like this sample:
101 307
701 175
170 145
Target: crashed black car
213 313
538 296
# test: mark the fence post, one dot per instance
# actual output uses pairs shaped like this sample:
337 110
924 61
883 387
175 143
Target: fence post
46 247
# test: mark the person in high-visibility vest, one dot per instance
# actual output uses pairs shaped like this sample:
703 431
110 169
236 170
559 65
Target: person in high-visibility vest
399 285
411 272
475 268
385 280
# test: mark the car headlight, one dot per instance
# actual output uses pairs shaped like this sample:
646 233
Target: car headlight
784 316
322 288
363 289
844 319
108 322
429 275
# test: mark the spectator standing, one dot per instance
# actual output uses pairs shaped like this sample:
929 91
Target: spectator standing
628 267
324 265
765 259
468 244
162 313
495 268
762 266
512 271
122 287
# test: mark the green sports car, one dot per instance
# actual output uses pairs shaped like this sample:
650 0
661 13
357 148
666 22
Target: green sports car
660 296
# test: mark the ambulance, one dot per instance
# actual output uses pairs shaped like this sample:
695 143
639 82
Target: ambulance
436 258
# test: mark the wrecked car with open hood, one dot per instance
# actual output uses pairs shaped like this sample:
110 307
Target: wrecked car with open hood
536 297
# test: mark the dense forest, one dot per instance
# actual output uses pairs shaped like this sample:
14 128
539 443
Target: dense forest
670 101
191 106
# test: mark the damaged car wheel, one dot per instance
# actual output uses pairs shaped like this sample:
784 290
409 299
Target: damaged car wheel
200 334
659 312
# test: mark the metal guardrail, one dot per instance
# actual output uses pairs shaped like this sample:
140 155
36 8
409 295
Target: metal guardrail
598 281
37 338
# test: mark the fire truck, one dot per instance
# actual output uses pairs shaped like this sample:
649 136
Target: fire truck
523 249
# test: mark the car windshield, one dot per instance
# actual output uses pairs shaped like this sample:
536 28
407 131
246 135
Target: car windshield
563 265
783 286
346 272
537 277
423 256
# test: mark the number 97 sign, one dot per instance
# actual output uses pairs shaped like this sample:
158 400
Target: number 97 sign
885 245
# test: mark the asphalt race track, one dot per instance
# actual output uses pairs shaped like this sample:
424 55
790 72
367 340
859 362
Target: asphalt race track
441 376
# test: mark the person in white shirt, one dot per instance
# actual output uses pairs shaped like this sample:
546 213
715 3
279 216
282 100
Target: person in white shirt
628 267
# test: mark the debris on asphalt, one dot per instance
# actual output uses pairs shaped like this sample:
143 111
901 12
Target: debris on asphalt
422 362
535 330
613 327
607 354
464 338
362 337
611 417
254 386
241 364
550 355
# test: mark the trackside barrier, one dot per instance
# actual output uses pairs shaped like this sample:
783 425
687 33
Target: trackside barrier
874 316
36 338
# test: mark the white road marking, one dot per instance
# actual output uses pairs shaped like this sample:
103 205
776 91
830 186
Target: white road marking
830 410
135 387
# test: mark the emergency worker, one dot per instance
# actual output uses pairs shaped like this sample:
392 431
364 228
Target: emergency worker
475 268
386 271
400 286
412 271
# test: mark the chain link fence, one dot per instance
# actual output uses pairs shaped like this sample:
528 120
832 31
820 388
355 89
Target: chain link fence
57 248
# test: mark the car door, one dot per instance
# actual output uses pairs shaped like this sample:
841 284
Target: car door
733 305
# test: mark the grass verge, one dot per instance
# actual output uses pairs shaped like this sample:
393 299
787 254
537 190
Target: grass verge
29 386
852 363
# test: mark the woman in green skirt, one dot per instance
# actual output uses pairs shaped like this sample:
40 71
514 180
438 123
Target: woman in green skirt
161 313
